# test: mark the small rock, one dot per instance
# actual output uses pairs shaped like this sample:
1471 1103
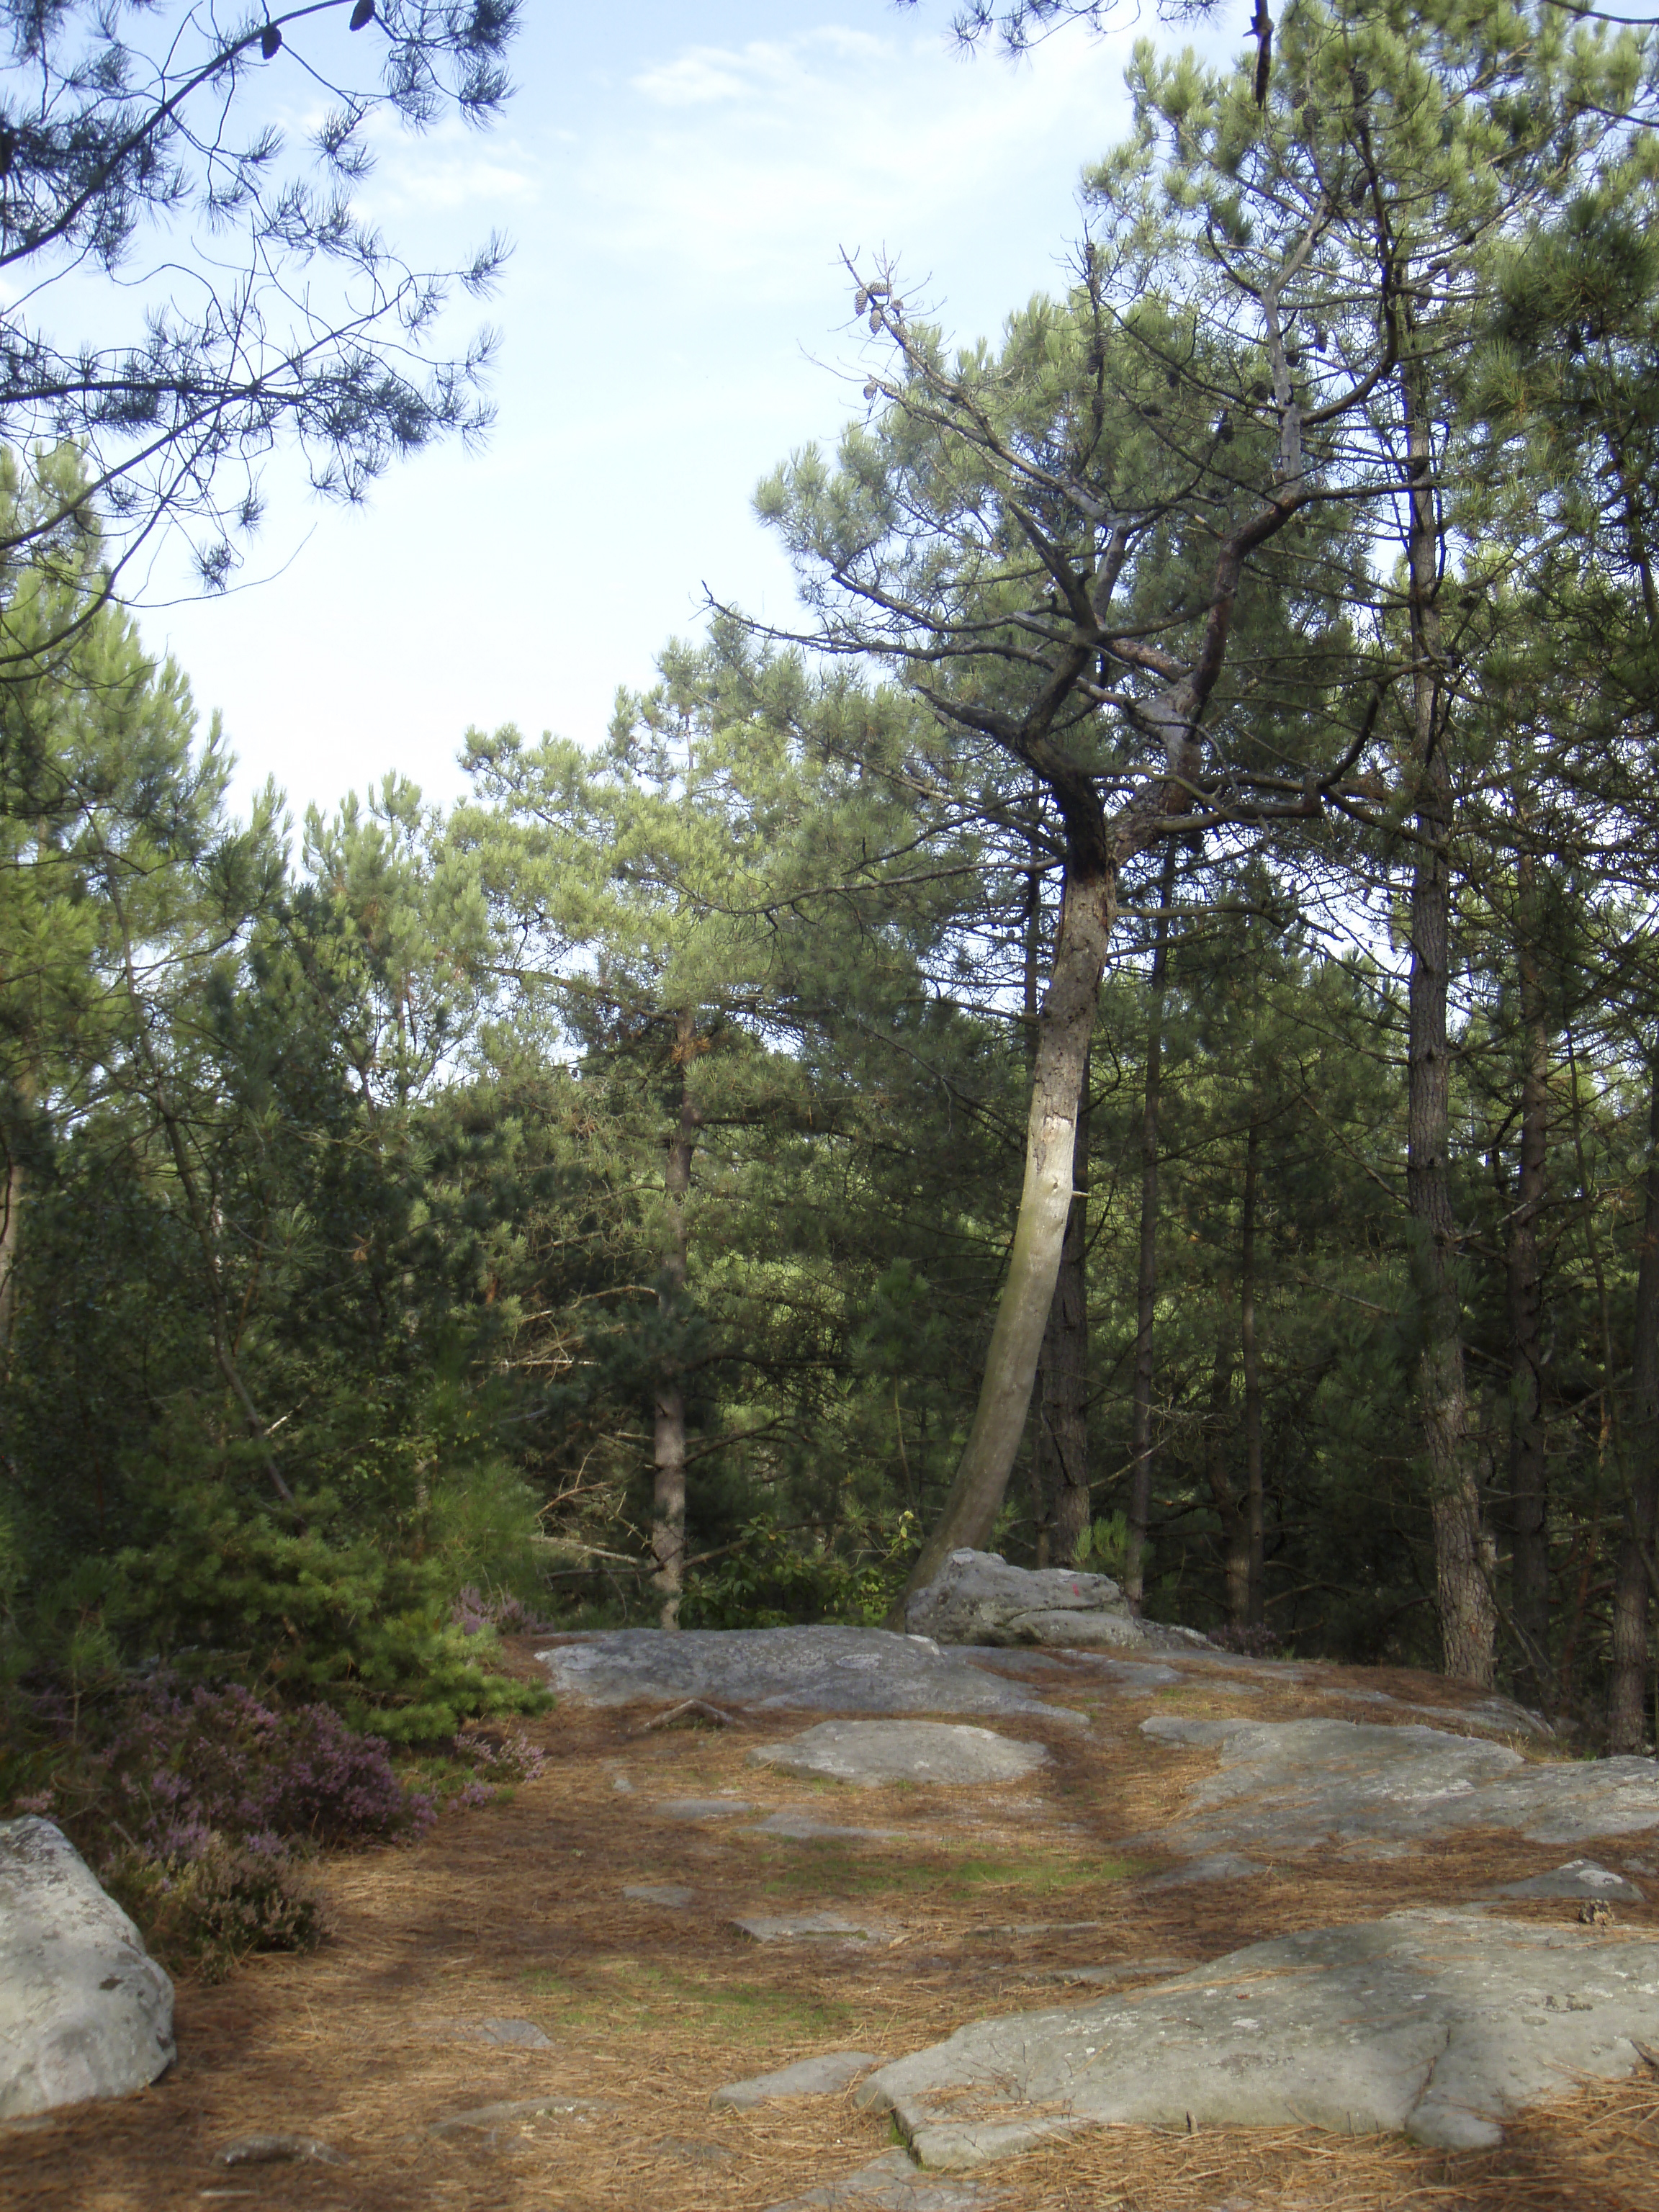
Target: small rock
802 1828
695 2150
485 2117
1578 1878
278 2150
824 2077
769 1928
1215 1866
698 1808
872 1752
891 2183
503 2034
669 1893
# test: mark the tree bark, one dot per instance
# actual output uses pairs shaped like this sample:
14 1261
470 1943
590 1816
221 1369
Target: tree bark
1529 1568
1063 1425
1632 1586
1064 1027
1464 1556
1255 1514
668 1440
1140 1417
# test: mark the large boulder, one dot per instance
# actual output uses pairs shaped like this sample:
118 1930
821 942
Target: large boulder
980 1599
84 2010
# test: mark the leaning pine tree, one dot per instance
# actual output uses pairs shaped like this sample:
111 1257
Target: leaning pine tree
1064 547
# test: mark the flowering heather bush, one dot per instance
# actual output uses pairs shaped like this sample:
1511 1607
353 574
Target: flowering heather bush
1254 1641
210 1911
180 1768
473 1612
497 1763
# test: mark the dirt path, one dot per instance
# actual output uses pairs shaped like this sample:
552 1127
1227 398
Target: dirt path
986 1899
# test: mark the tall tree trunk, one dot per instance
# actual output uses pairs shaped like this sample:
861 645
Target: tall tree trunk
1235 1522
668 1453
1464 1555
1255 1514
1632 1595
1140 1417
1063 1428
1529 1500
1065 1026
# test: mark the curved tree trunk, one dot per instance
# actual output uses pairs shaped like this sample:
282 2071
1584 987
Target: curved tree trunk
1064 1027
668 1439
1063 1417
1140 1410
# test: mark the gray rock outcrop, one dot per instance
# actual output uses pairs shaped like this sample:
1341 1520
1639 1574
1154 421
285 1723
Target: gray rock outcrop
819 1669
980 1599
84 2010
1441 2024
1285 1786
872 1752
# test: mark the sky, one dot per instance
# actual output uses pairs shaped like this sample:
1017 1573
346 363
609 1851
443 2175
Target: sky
678 183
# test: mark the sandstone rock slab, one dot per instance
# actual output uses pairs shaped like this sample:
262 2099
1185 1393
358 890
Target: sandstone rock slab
672 1896
813 1669
891 2183
872 1753
826 2076
84 2010
1214 1866
1285 1786
1438 2024
486 2119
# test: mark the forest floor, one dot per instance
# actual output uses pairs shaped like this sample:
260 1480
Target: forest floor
518 1911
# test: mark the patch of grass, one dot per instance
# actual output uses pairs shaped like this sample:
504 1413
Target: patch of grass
733 2012
833 1869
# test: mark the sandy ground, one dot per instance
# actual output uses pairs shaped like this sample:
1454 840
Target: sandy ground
518 1911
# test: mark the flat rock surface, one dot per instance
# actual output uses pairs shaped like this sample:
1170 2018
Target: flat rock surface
1440 2025
1284 1786
826 2076
874 1753
84 2010
827 1669
673 1896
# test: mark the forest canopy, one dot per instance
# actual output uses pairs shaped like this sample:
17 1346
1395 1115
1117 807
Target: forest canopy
1124 1032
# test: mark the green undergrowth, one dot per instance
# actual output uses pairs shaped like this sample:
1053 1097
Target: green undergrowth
833 1869
735 2011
